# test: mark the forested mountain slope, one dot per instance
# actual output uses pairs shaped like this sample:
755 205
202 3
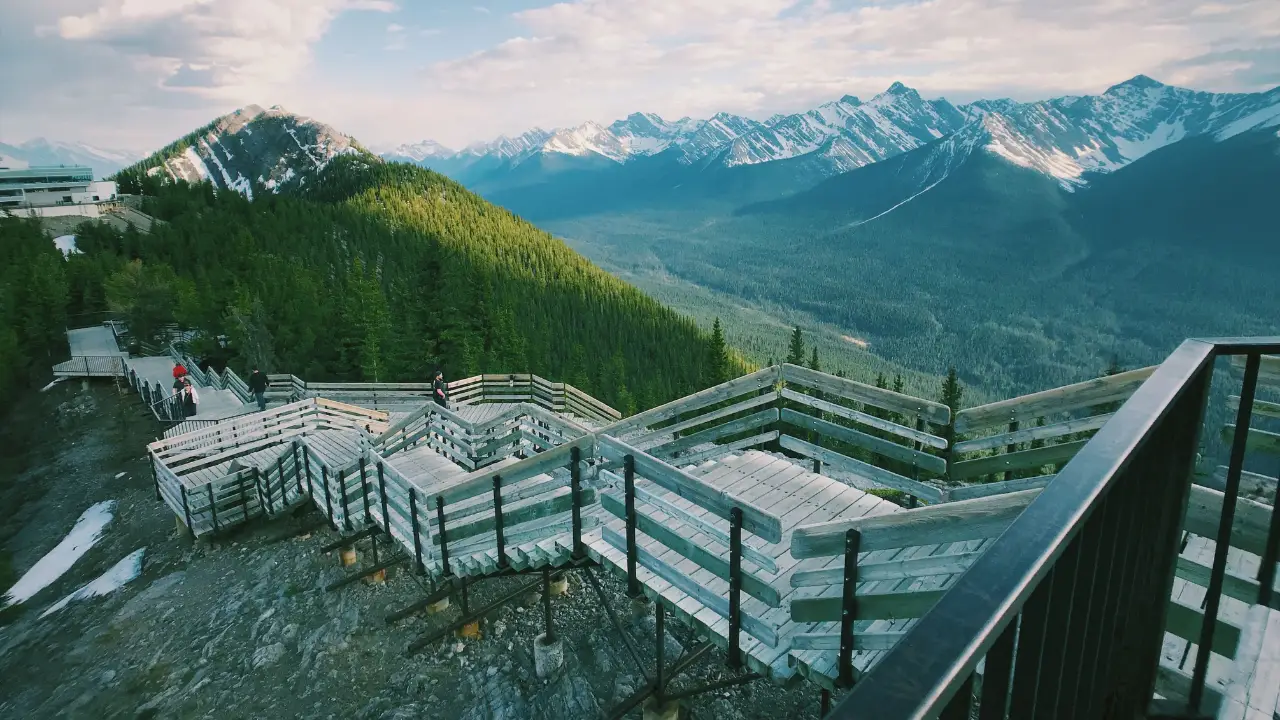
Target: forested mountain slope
381 272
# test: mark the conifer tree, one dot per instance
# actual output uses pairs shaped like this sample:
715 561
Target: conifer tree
719 361
813 359
952 393
795 355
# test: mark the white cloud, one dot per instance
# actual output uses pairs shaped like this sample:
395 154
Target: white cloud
216 48
482 10
603 58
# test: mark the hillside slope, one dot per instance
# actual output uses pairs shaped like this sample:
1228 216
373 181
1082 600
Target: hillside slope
382 271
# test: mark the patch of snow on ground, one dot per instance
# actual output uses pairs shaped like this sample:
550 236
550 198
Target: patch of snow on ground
129 568
1164 134
84 535
196 163
1263 118
67 244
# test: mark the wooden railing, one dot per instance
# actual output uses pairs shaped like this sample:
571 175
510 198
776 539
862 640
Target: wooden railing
1070 604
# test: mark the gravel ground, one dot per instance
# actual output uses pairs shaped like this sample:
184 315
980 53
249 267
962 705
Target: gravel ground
243 628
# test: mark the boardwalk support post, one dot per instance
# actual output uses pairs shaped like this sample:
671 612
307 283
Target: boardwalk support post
497 521
849 608
364 491
548 650
297 469
213 507
284 492
346 507
735 587
417 536
186 510
328 496
575 487
382 494
445 570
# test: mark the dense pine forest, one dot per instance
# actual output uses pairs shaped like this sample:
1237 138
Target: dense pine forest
33 305
384 272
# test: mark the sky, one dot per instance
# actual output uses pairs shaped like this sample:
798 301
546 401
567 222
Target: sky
136 74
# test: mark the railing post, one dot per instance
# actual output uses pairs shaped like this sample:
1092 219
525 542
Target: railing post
848 608
264 490
1235 466
328 495
1011 448
735 586
244 499
382 494
1270 554
417 535
575 487
284 493
297 469
629 477
155 476
364 491
306 466
213 508
186 509
444 538
497 521
342 488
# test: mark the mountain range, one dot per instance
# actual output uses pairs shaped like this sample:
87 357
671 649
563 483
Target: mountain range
1067 138
40 151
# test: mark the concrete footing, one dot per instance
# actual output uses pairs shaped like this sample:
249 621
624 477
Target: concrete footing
470 630
641 607
347 556
559 585
548 658
438 607
653 710
377 578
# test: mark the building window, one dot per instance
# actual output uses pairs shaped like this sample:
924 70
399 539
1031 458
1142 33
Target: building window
66 198
95 198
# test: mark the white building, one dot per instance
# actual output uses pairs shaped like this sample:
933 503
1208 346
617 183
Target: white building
51 186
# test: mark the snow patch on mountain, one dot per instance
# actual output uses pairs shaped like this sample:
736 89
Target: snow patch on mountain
586 139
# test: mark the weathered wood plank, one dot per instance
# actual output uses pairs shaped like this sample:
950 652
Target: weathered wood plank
754 440
884 448
1029 434
948 522
716 565
933 412
556 501
1098 391
871 606
754 519
1257 440
862 641
1020 460
1186 622
766 634
925 492
948 564
647 440
971 492
1242 589
850 414
480 482
712 434
739 386
1249 525
1260 407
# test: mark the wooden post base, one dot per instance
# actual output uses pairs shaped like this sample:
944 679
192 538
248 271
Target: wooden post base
559 585
377 578
438 607
347 556
653 710
470 631
183 532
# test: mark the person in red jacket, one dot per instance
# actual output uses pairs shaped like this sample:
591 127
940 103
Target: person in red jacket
179 371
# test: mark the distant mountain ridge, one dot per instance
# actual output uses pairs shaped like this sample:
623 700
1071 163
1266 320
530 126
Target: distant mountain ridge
39 151
1066 138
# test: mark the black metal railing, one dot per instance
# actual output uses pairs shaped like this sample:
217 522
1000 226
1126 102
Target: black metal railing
1068 606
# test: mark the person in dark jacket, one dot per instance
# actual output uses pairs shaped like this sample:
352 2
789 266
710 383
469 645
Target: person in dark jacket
439 392
190 400
258 384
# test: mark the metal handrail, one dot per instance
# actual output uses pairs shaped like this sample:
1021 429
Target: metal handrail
935 661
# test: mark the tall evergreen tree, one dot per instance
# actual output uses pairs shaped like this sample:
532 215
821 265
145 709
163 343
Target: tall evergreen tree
813 359
795 355
952 393
718 363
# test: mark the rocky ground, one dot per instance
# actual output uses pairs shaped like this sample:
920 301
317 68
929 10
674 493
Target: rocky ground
243 628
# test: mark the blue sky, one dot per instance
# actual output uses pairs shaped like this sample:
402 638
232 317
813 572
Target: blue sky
134 74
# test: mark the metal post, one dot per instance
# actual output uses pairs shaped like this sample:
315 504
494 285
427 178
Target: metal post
444 539
328 495
735 585
546 605
497 521
213 509
824 705
848 608
1270 553
629 476
817 470
306 463
382 493
284 500
659 649
263 488
346 508
244 499
1011 448
155 476
1223 542
364 491
575 488
297 470
417 537
186 509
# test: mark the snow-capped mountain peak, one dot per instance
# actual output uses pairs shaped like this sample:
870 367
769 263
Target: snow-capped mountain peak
589 137
419 151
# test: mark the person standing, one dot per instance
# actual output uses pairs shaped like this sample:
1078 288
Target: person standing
258 384
439 391
190 400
